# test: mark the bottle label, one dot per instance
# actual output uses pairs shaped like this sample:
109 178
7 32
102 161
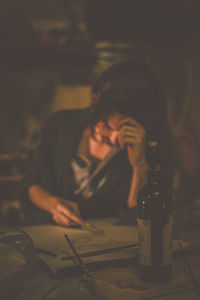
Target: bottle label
167 242
144 240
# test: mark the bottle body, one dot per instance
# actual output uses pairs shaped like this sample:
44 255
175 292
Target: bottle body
154 223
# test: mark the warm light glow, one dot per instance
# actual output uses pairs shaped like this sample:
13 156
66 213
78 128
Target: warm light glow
71 97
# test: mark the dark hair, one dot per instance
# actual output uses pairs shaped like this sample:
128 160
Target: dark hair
131 89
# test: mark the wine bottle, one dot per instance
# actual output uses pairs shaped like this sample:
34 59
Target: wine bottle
154 222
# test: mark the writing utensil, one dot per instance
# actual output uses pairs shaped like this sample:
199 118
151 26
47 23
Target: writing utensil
92 227
101 252
87 276
88 226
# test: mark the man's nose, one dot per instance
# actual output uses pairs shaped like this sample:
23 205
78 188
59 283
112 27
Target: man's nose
113 137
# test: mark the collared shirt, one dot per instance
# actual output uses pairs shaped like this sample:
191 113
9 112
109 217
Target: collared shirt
83 165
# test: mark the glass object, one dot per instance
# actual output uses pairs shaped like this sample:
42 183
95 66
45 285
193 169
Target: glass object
154 221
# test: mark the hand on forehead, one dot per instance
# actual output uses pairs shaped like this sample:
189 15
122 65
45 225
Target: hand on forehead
117 121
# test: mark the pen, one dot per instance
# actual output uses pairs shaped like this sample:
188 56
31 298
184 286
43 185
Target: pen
92 227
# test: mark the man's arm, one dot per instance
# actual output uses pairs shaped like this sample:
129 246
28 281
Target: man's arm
63 212
40 181
132 137
139 179
42 199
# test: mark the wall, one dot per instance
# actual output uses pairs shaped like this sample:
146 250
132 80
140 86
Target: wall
29 94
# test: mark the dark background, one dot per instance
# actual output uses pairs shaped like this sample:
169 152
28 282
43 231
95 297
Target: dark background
51 51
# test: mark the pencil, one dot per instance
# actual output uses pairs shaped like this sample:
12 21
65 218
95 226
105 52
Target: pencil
92 227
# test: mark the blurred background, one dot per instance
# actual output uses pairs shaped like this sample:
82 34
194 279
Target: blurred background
50 53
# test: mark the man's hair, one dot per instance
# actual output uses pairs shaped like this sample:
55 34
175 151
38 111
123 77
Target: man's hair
131 89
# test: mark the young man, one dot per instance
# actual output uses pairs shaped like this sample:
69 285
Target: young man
76 143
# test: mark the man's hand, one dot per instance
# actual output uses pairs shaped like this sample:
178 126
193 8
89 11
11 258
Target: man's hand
64 212
132 137
67 213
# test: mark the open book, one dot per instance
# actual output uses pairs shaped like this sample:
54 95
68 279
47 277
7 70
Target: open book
117 244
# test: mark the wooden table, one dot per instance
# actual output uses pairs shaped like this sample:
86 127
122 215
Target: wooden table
57 276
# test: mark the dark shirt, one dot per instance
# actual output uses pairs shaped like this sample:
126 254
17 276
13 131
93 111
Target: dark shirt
52 170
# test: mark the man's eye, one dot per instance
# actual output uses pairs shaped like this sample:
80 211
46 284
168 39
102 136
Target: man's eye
110 128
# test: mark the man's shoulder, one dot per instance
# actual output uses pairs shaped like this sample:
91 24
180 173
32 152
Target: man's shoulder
65 122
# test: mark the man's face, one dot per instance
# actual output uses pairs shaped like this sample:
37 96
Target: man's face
107 132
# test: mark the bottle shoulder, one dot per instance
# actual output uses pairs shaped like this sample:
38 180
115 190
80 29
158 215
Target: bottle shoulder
153 194
155 186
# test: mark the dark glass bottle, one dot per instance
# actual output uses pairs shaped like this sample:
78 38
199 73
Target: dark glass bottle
154 221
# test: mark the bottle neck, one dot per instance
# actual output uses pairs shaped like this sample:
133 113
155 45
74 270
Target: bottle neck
154 174
153 161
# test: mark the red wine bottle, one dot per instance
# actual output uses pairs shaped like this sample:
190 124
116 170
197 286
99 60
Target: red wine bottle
154 221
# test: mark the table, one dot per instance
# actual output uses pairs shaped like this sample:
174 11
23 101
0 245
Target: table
116 278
